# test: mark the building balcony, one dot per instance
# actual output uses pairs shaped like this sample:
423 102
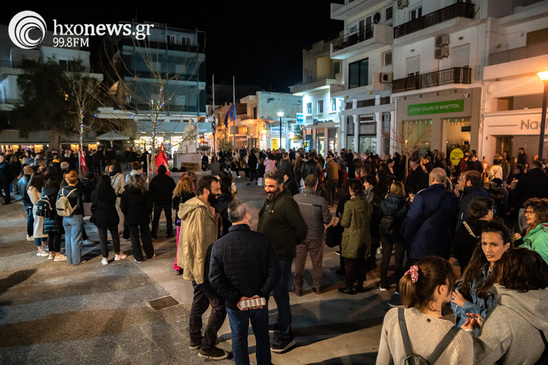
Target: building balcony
162 46
457 10
365 40
454 75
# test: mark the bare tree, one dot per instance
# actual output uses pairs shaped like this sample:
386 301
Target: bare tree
410 138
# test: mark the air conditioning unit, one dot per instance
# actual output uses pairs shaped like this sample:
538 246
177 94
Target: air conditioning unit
385 77
441 52
403 4
442 40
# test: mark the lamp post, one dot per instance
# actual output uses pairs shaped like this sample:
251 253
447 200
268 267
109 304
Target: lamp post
280 114
544 77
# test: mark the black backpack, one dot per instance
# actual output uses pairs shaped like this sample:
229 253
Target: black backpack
43 208
415 359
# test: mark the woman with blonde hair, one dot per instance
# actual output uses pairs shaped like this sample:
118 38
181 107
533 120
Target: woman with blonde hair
183 191
420 329
392 211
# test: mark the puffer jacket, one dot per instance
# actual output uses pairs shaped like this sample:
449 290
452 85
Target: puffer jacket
315 212
161 189
53 224
23 185
356 238
395 206
200 231
104 213
243 263
136 206
537 240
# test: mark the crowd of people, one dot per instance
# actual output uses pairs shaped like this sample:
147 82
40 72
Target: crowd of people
421 210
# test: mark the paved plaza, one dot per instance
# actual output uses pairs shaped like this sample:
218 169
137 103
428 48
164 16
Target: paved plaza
53 313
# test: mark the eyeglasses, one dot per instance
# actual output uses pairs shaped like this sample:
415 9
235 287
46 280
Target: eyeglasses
529 212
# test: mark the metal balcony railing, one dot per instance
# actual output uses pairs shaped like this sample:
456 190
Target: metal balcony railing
455 75
348 40
457 10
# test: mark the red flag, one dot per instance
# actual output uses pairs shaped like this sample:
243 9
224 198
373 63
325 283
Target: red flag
161 159
83 163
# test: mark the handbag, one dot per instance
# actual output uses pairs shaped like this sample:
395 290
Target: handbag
334 235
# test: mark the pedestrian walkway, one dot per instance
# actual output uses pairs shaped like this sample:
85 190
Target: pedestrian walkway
93 314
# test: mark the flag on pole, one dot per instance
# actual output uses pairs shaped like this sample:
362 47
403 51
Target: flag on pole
161 159
230 115
83 162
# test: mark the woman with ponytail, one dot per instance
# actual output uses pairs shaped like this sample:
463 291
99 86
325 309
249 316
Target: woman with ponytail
424 290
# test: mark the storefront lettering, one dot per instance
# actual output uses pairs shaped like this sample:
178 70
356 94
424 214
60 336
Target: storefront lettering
451 106
529 125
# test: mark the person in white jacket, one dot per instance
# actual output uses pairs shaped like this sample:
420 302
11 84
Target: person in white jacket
511 333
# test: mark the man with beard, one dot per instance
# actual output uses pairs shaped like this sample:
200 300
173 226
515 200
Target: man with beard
199 225
281 220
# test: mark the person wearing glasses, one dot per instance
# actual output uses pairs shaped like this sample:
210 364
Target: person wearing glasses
536 214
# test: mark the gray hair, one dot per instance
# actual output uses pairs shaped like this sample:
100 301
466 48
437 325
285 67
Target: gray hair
438 175
236 210
275 175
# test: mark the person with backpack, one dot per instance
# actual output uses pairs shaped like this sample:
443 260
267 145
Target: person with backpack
34 190
419 333
53 223
392 211
105 217
69 206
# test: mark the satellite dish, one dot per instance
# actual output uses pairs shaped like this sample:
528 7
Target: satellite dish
377 18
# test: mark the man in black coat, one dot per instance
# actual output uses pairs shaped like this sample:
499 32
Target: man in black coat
243 266
6 178
161 191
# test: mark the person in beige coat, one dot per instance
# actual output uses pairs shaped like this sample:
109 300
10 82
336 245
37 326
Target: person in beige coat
200 230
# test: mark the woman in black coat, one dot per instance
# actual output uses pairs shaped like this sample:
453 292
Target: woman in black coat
136 205
105 217
53 225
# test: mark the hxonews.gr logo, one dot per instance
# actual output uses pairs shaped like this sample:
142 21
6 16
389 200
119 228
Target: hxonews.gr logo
27 29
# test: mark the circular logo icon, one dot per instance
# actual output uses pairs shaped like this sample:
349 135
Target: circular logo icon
21 26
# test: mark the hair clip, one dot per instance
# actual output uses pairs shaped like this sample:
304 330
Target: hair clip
414 273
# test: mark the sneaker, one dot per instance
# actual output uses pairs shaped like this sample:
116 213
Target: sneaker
41 252
138 261
195 345
30 238
60 257
282 345
104 261
50 256
118 257
382 288
395 302
213 353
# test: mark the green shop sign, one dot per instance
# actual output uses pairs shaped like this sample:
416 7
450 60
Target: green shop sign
450 106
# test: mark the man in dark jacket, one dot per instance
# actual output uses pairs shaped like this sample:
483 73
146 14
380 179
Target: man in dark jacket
534 184
417 178
281 220
22 186
6 178
311 166
161 191
252 163
430 222
244 266
469 186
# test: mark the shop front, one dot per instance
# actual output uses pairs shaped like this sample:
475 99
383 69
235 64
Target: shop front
510 130
438 121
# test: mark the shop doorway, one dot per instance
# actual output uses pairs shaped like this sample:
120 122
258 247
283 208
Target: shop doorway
458 132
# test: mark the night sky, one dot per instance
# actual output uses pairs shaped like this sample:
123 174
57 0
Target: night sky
260 43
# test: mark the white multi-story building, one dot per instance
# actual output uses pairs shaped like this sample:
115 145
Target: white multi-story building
365 49
321 111
517 49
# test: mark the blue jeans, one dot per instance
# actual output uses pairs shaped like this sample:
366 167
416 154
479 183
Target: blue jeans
73 238
281 296
239 324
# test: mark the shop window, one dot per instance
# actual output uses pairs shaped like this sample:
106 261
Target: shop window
415 136
368 143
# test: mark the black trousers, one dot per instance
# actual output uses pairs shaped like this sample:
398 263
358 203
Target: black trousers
156 220
104 242
136 243
54 242
6 189
355 271
203 298
387 244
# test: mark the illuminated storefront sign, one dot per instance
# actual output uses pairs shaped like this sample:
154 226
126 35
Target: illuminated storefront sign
449 106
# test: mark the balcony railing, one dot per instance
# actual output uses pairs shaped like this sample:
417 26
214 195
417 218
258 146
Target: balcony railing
457 10
348 40
455 75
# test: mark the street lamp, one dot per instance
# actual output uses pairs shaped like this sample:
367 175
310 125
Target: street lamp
544 77
280 114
